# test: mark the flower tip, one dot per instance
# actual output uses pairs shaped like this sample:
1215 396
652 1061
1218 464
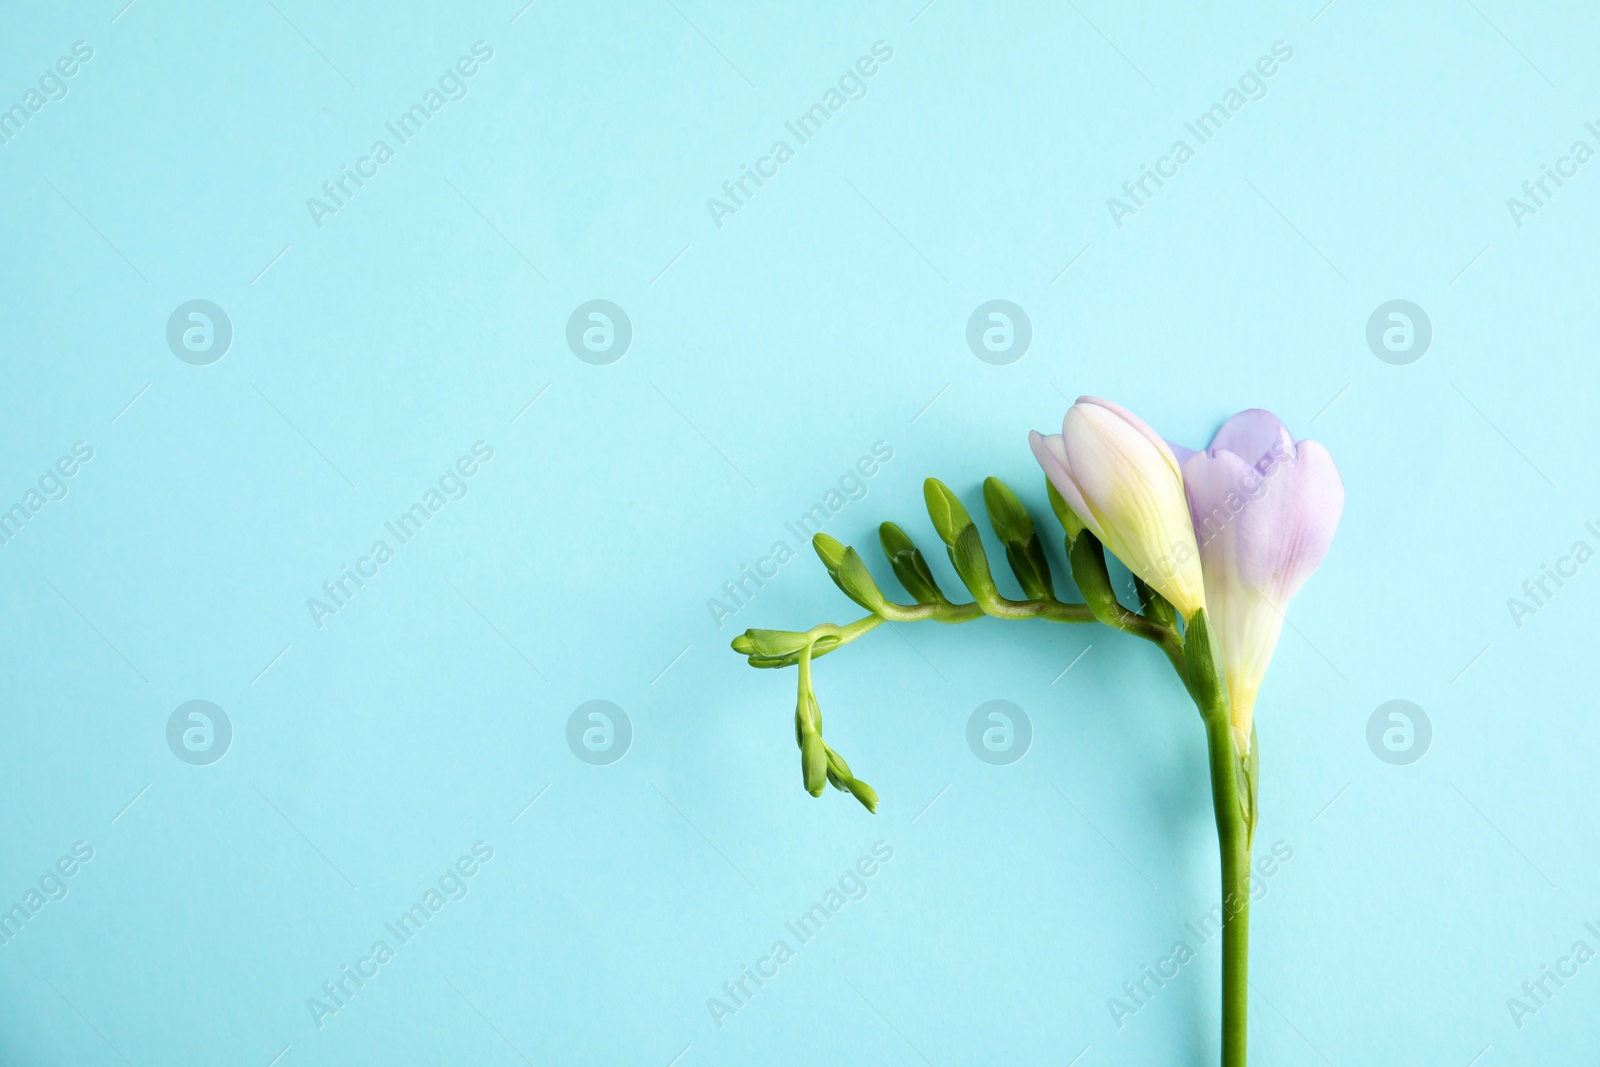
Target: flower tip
864 793
829 549
1253 434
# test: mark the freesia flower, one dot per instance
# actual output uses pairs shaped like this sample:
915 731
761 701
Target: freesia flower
1123 481
1227 536
1264 510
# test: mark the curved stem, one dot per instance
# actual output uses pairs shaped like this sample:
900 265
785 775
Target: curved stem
1054 610
1233 837
825 637
805 662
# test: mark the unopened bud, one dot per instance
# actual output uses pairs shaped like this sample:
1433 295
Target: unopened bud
814 763
944 508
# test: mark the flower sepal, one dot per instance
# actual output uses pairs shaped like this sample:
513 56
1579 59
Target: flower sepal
1205 679
1088 559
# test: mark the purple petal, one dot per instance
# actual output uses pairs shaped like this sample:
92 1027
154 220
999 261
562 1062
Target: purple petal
1310 511
1275 524
1264 513
1218 485
1252 434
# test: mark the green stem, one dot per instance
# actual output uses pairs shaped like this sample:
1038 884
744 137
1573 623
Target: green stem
1233 837
805 664
826 637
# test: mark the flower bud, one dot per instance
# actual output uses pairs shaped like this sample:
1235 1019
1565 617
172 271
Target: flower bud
849 572
1122 480
829 550
972 565
814 763
1014 526
1264 509
769 643
864 793
909 565
944 508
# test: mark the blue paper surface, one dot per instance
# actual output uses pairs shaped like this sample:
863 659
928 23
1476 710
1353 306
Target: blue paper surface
385 385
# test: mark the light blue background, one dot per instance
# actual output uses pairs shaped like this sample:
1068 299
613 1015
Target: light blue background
768 354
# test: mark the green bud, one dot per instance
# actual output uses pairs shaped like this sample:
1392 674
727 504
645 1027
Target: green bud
1205 680
838 769
909 565
1069 521
970 562
820 646
772 662
840 777
1014 526
814 763
769 643
1009 518
894 540
864 793
944 508
1031 568
857 583
807 718
830 551
1088 561
1154 606
850 574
